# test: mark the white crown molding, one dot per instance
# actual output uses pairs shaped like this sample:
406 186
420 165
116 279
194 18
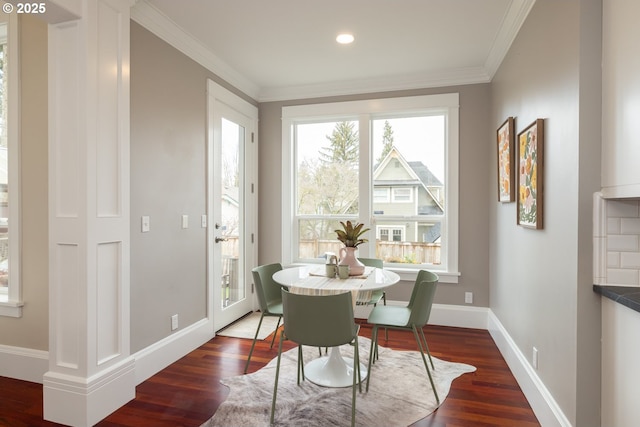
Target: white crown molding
163 27
511 24
159 24
461 76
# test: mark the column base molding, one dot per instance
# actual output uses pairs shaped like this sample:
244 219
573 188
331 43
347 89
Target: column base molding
80 401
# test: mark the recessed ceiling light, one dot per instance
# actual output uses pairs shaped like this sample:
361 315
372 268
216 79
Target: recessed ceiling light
345 38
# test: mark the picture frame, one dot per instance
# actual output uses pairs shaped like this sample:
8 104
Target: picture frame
530 176
505 137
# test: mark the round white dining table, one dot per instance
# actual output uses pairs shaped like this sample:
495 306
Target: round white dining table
333 370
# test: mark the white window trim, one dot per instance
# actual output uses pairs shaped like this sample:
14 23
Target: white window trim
364 110
13 306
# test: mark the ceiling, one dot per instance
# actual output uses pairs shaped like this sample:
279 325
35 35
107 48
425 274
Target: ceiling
286 49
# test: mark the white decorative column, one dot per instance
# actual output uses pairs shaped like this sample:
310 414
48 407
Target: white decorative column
91 372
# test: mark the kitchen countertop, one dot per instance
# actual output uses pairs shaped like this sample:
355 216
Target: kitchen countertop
628 296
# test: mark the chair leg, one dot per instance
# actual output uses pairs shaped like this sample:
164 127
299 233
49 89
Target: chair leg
300 364
276 332
426 365
374 340
275 386
253 344
356 363
426 346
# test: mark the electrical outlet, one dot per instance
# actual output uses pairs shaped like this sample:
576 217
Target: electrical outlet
534 358
468 297
174 322
203 221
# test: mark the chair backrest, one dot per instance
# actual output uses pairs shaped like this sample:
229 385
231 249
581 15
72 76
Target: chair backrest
372 262
267 289
422 295
318 320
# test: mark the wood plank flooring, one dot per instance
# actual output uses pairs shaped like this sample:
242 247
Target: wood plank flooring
187 393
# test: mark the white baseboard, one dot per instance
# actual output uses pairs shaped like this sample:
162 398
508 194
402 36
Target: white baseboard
442 314
23 363
542 402
31 365
163 353
460 316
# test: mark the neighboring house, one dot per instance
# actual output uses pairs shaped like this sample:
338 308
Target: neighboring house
404 188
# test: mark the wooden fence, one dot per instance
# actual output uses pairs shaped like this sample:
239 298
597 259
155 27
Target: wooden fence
394 252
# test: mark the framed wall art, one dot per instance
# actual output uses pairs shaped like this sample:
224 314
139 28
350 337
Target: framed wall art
506 151
530 161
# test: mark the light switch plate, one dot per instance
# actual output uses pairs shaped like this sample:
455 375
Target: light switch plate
185 221
145 224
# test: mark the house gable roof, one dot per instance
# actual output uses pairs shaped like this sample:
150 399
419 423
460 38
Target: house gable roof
419 174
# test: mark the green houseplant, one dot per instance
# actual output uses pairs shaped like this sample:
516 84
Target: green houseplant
351 236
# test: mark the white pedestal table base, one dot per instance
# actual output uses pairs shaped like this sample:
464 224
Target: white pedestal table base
333 370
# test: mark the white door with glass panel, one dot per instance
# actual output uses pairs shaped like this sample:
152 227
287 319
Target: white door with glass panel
232 195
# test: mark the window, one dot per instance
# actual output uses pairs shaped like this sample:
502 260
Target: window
391 234
10 292
380 195
402 195
391 164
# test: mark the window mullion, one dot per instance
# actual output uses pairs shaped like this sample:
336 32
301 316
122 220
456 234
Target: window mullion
365 193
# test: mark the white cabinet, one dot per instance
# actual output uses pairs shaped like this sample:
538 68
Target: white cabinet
620 99
620 367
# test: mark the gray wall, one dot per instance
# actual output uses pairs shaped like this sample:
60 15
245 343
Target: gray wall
168 141
541 280
32 329
475 195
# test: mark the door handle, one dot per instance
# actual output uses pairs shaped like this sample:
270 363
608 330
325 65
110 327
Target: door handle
220 239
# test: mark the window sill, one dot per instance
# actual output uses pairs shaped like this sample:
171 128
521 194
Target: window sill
11 308
410 274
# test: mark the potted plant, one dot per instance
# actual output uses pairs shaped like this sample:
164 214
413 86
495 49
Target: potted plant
351 236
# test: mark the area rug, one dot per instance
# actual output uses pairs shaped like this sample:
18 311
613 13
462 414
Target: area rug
399 393
246 327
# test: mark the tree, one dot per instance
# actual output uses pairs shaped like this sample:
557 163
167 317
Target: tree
329 185
387 141
343 147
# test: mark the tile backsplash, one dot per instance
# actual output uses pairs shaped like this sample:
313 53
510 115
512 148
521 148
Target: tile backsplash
616 234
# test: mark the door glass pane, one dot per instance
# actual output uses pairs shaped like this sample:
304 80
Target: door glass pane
231 205
409 164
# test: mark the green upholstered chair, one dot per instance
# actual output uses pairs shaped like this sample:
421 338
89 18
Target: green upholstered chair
321 321
378 295
412 317
269 297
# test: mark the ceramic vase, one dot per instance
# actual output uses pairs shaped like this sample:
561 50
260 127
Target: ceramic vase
348 257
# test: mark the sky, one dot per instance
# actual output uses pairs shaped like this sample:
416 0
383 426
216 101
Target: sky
417 138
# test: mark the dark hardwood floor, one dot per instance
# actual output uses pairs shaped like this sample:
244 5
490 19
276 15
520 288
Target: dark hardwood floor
188 392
